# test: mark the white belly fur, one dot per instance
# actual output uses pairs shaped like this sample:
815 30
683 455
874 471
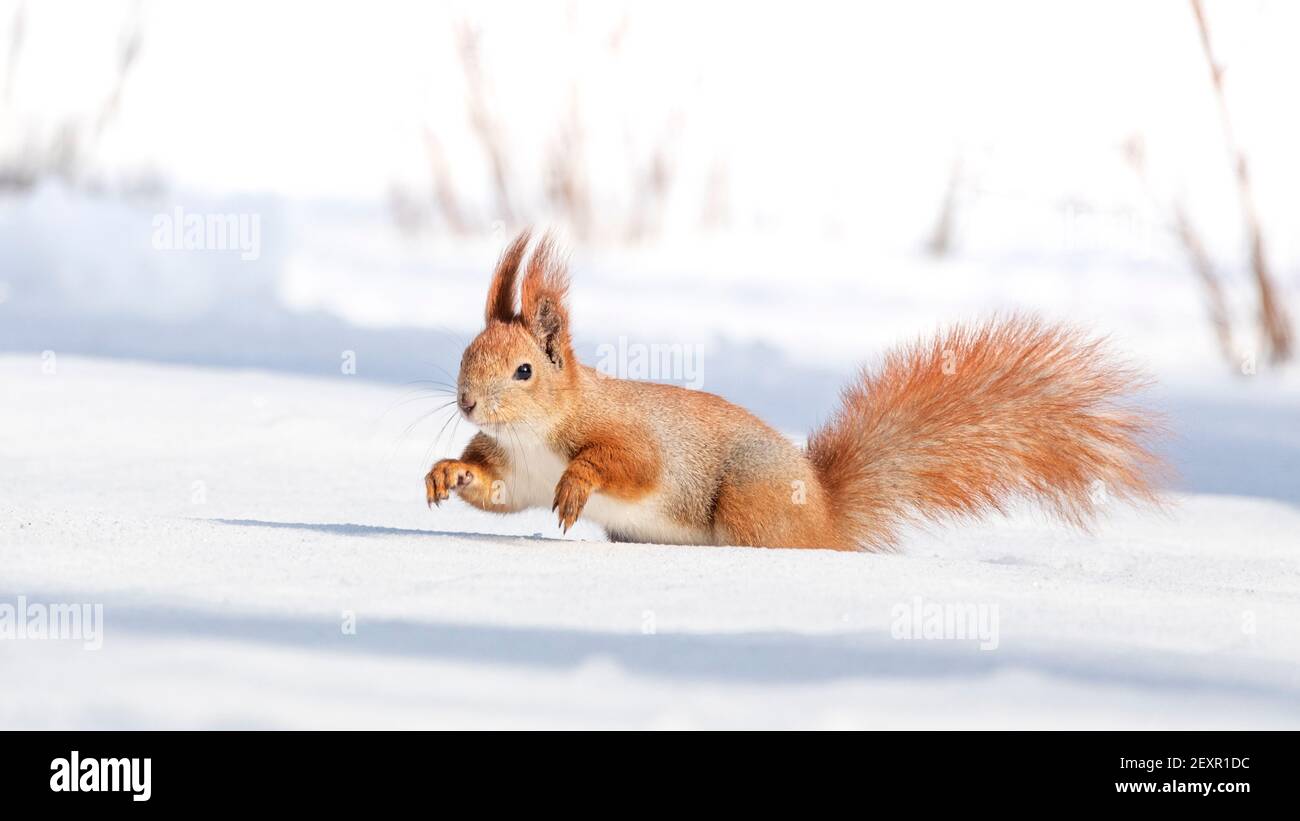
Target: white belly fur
535 470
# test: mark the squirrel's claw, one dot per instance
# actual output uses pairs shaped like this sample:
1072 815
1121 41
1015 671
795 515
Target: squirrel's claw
570 498
445 476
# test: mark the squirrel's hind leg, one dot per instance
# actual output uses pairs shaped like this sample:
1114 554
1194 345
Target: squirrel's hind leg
774 511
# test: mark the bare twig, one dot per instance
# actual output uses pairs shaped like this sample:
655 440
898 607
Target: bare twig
653 184
566 182
128 54
941 239
1204 269
1200 261
1273 319
67 152
468 44
444 190
17 34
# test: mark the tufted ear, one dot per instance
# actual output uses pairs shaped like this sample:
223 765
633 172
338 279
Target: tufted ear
501 293
545 292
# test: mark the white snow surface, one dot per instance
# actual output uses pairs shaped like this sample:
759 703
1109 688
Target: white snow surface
178 442
231 521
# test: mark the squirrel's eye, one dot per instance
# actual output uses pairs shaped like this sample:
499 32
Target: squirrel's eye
524 371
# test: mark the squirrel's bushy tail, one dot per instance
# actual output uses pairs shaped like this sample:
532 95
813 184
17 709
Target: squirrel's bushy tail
977 416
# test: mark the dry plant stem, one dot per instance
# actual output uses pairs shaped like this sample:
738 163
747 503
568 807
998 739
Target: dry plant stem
1196 254
941 239
654 184
17 35
566 182
444 190
1205 272
127 56
65 153
1274 323
481 119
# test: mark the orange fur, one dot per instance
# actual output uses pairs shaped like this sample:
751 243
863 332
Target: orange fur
975 417
501 291
544 293
958 425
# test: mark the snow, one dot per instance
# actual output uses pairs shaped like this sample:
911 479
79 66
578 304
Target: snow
183 441
229 521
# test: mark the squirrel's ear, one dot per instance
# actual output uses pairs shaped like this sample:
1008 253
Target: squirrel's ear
545 293
501 293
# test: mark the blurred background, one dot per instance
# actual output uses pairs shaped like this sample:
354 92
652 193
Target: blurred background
790 186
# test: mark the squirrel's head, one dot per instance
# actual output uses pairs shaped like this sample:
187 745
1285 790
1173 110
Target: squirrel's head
518 369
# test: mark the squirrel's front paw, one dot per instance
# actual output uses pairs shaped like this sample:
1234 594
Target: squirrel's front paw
447 475
571 496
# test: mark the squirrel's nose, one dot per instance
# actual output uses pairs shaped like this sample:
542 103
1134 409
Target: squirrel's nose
465 404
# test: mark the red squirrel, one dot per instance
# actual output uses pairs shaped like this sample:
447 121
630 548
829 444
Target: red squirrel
960 424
